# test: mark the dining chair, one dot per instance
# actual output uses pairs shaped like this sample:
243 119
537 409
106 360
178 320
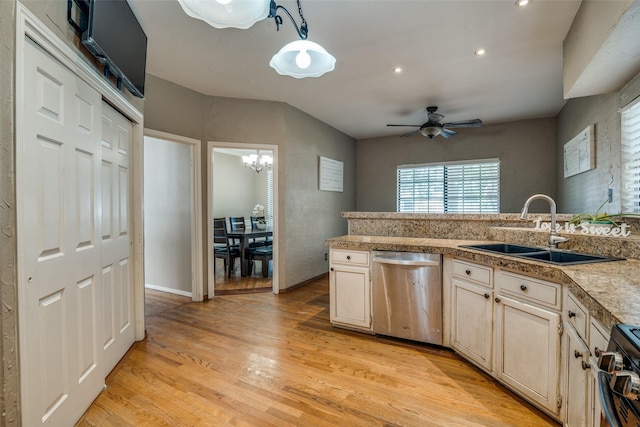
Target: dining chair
266 241
236 223
221 246
263 254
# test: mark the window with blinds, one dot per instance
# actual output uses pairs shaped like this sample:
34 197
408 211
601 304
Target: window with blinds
630 198
459 187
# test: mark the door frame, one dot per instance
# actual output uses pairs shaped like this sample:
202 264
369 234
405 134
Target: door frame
197 285
242 146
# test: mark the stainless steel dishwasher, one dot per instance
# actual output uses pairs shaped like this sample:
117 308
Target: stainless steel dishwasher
407 295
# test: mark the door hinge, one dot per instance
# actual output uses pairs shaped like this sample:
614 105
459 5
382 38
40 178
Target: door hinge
560 328
559 401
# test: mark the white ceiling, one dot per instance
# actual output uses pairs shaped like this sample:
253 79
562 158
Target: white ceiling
434 41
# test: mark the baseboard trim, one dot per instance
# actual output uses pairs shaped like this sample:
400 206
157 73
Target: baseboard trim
168 290
306 282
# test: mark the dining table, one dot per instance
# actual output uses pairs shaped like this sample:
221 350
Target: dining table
244 236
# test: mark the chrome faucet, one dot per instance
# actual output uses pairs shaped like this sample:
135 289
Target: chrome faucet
554 239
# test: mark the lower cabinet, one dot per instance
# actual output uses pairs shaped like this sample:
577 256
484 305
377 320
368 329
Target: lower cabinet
578 379
528 350
350 289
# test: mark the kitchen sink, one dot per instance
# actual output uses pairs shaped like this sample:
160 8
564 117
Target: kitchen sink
567 258
550 256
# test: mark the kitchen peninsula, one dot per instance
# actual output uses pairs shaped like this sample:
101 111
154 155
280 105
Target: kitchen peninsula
534 326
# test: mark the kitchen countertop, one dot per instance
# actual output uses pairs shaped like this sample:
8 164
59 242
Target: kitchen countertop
609 290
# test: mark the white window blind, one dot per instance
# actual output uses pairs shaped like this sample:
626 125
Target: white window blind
631 158
460 187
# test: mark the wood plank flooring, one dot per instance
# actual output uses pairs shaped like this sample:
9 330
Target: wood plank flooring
274 360
236 284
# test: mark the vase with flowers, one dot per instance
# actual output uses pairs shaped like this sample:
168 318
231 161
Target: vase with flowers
258 213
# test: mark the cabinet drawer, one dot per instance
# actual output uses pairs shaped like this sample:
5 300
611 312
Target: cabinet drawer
577 315
528 289
478 273
349 257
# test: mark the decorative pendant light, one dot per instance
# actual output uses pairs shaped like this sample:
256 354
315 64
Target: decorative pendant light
300 58
227 13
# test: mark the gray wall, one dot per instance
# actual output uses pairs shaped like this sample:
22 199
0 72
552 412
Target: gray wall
167 215
300 138
586 191
526 150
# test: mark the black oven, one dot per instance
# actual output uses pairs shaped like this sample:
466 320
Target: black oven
619 379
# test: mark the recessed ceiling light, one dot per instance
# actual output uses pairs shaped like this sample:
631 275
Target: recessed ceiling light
522 3
480 52
397 70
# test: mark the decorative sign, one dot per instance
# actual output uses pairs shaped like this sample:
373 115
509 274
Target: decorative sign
621 230
330 174
579 153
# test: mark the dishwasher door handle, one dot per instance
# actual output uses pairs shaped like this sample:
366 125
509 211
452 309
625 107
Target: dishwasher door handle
411 262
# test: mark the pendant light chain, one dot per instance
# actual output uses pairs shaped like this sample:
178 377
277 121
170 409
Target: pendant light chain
303 31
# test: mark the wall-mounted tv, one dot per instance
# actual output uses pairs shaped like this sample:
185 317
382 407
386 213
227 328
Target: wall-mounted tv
114 36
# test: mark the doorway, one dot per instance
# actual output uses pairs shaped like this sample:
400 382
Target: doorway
236 190
172 223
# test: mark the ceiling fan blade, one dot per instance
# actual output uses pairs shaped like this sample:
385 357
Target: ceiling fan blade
412 126
446 133
464 124
410 133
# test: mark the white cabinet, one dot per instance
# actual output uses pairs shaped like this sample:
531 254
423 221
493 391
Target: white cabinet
585 338
472 312
527 343
350 289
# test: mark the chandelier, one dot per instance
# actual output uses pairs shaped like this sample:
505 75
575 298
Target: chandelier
257 162
301 58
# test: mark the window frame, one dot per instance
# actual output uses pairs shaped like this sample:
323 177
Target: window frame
630 157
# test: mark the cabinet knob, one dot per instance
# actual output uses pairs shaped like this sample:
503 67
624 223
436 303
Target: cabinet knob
576 354
348 256
497 299
585 366
597 351
487 295
523 287
571 314
468 272
331 268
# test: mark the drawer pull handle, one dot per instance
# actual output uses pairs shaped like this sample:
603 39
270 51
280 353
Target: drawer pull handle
468 272
348 257
487 295
497 299
571 314
523 287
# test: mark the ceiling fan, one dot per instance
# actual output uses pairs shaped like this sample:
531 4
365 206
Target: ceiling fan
433 127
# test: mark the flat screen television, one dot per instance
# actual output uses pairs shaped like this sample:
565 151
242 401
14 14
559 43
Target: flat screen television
114 36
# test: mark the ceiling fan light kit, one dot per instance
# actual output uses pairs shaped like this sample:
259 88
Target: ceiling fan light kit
432 127
299 59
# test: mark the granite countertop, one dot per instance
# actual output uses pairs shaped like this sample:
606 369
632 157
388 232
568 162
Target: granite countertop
609 290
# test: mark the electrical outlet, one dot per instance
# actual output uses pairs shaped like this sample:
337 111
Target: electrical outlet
610 195
326 256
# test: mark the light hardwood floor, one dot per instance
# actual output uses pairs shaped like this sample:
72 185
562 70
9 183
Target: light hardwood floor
274 360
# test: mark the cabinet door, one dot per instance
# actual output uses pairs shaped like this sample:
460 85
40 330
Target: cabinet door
576 361
350 295
528 350
472 321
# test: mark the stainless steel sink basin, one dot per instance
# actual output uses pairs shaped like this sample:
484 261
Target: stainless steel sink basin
504 248
567 258
557 257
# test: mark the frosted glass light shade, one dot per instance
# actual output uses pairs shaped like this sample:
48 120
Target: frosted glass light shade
227 13
289 61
